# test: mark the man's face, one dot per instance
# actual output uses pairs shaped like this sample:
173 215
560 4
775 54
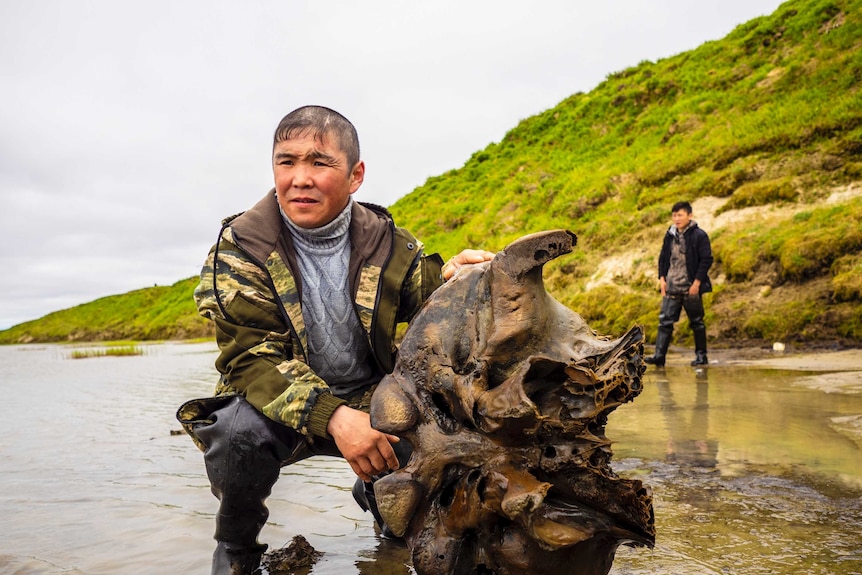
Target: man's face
680 219
312 179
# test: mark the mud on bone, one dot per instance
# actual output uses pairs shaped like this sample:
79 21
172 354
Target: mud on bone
504 394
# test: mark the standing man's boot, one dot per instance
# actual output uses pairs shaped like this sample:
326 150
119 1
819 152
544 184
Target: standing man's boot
700 348
662 341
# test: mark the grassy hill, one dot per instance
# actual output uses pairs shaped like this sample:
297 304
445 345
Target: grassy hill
761 131
163 312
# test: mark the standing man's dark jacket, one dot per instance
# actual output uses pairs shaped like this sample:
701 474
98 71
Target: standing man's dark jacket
698 256
250 287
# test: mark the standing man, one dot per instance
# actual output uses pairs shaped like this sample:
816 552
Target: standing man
683 263
305 289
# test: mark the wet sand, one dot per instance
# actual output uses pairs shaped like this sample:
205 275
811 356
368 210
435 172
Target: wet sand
844 360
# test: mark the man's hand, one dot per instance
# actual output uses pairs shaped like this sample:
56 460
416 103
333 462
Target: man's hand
695 288
465 258
662 286
367 450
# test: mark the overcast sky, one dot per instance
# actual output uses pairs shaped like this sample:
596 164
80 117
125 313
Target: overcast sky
129 129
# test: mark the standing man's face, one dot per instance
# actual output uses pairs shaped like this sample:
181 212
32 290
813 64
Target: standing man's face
313 182
681 218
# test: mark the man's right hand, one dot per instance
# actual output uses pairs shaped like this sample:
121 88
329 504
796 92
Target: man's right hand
465 258
368 451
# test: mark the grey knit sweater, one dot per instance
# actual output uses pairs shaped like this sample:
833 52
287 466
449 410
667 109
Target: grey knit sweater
338 348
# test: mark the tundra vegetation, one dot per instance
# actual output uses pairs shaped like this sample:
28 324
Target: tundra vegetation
761 131
109 350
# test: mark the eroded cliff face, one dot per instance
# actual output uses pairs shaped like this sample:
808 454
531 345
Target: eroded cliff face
504 393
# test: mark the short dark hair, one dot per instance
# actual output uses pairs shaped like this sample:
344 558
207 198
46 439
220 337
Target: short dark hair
681 206
319 122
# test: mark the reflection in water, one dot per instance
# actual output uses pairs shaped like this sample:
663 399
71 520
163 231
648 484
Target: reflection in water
688 443
748 472
388 557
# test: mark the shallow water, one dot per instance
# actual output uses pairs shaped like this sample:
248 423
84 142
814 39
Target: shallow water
753 471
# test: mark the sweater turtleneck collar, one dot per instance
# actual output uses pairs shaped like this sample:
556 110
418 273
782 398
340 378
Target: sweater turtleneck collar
325 237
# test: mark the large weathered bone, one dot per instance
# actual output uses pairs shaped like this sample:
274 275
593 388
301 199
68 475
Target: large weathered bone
504 395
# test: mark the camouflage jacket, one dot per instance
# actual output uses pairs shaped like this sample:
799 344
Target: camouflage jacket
251 289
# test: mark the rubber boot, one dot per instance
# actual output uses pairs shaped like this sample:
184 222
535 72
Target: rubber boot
363 493
231 561
700 348
243 459
662 341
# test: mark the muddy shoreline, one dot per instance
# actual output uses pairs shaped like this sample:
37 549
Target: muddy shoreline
796 358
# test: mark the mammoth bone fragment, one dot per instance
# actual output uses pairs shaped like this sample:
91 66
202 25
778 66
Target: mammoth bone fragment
503 394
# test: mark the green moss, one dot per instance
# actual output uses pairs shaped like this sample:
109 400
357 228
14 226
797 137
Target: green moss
847 278
760 194
804 246
782 322
612 310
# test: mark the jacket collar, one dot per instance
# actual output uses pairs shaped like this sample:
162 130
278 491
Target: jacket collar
260 228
